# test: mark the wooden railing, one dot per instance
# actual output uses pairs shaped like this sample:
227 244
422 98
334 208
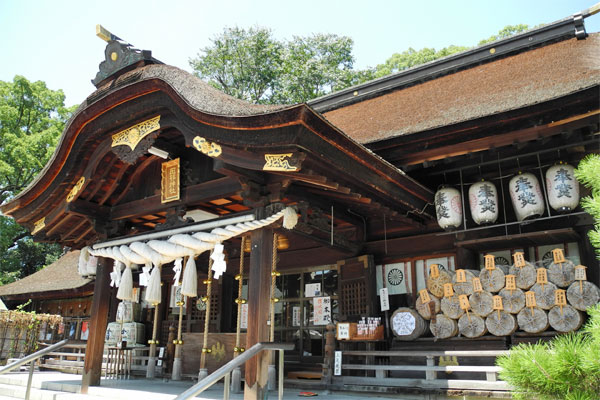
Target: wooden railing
72 357
387 364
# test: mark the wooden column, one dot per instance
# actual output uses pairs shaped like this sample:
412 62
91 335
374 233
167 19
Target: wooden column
92 366
259 300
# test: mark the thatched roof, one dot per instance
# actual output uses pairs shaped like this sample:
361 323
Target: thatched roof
60 275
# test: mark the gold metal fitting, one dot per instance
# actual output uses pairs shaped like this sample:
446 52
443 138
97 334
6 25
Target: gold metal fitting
240 301
206 350
176 341
238 349
152 341
238 277
207 281
274 300
275 273
203 299
179 303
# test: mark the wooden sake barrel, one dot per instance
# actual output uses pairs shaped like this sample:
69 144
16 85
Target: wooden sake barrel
464 287
492 281
583 295
407 324
424 309
471 325
512 300
481 303
544 295
568 320
501 323
451 307
561 274
525 276
534 321
436 285
443 327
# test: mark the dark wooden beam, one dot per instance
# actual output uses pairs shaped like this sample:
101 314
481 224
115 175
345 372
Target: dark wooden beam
84 208
202 192
259 293
92 366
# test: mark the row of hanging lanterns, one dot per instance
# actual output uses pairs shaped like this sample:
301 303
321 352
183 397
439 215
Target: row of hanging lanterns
525 193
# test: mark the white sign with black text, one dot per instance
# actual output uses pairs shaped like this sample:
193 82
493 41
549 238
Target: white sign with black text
337 366
384 299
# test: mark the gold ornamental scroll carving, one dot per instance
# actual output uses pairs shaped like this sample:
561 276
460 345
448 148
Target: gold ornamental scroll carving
133 135
279 162
75 189
211 149
38 225
169 190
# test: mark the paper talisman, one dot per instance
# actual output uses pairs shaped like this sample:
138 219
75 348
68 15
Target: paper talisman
461 276
434 271
490 262
559 256
464 302
560 298
519 259
530 300
477 285
448 290
424 295
580 274
497 305
511 283
542 276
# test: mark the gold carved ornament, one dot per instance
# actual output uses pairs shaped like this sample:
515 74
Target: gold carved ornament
38 225
211 149
75 189
279 162
133 135
169 188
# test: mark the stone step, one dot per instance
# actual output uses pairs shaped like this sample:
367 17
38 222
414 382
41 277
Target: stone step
18 392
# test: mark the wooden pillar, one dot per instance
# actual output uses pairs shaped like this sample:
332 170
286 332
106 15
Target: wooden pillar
92 366
259 300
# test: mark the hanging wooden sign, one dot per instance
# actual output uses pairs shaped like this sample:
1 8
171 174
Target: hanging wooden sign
560 299
497 303
530 299
511 283
519 259
490 262
580 274
434 271
542 276
424 295
448 290
477 288
463 301
461 276
559 256
169 189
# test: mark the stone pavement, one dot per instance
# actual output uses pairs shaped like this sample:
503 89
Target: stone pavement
67 387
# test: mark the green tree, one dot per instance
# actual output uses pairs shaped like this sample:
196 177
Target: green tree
566 368
411 57
244 63
588 173
507 31
32 118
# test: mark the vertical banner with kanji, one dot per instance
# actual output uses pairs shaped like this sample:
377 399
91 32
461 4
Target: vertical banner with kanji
322 310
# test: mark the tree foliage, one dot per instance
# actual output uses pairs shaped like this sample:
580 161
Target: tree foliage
588 173
507 31
411 57
32 118
566 368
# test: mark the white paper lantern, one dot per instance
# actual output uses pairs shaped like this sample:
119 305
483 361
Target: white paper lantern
448 208
563 188
526 196
483 202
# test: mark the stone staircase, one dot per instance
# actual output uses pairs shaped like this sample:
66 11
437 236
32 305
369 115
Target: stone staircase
14 386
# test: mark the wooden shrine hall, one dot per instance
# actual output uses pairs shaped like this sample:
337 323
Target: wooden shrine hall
154 145
258 210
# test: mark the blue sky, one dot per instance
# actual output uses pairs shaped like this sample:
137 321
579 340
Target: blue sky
55 41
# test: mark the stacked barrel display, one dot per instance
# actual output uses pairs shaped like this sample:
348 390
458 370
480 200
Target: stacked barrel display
500 300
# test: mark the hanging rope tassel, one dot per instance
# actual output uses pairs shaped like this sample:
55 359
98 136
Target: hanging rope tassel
290 218
125 291
274 275
153 295
240 278
189 283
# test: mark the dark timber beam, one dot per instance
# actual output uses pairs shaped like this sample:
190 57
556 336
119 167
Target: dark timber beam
259 295
92 366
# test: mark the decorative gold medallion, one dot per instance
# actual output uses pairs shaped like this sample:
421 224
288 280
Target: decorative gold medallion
169 190
75 189
132 136
38 225
211 149
218 351
279 162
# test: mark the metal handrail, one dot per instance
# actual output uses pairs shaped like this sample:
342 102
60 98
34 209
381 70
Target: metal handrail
31 359
226 369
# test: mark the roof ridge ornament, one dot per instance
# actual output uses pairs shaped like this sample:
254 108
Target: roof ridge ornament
119 56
